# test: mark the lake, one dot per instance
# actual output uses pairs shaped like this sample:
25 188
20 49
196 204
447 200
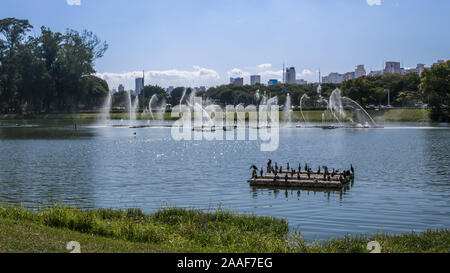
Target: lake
402 180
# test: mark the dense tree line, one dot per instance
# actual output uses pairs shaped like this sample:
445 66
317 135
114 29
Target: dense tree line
235 94
50 72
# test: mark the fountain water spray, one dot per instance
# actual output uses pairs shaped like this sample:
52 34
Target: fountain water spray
106 108
287 111
336 106
133 109
150 105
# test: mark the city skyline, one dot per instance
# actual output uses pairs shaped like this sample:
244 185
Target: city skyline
194 43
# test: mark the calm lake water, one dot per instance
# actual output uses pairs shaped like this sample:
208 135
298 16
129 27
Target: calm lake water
402 178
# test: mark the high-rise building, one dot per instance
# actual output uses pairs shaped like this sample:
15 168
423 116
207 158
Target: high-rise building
272 82
349 76
254 79
438 62
139 85
238 81
301 81
360 71
420 68
169 89
392 67
333 77
290 75
121 88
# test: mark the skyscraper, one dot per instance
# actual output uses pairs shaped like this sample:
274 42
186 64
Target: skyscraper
238 81
290 75
254 79
392 67
139 85
360 71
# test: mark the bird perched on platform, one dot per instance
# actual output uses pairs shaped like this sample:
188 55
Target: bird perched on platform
351 168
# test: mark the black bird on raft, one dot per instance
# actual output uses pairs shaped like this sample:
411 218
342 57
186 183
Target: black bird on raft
253 167
351 168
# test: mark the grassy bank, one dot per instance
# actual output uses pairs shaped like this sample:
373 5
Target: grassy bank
390 115
180 230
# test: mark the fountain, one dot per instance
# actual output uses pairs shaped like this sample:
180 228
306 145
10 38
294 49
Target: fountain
133 109
150 105
287 111
339 104
257 96
106 108
339 111
162 109
153 106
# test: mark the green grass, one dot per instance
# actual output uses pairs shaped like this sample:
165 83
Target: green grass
181 230
401 115
172 228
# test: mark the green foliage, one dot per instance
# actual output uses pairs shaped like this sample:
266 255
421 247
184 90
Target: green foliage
176 229
435 85
235 94
171 227
53 71
148 92
403 89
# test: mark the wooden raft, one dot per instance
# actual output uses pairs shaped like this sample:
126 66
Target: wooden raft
315 180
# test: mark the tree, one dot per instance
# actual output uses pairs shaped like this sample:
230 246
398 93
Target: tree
435 85
96 90
149 91
13 30
76 60
49 72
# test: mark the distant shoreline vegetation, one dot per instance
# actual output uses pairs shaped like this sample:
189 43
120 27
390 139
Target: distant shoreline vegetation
385 115
54 72
181 230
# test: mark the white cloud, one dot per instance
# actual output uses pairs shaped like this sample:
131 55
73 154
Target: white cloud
236 72
264 66
272 74
73 2
374 2
305 72
197 76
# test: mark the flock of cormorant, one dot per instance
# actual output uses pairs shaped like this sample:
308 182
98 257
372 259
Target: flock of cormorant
278 171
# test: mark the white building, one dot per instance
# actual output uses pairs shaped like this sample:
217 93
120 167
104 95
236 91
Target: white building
360 71
333 77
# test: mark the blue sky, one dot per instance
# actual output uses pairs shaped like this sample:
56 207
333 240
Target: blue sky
204 42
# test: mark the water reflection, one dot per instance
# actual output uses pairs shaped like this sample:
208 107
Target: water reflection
402 176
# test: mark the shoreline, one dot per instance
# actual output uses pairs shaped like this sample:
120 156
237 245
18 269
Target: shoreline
314 116
181 230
